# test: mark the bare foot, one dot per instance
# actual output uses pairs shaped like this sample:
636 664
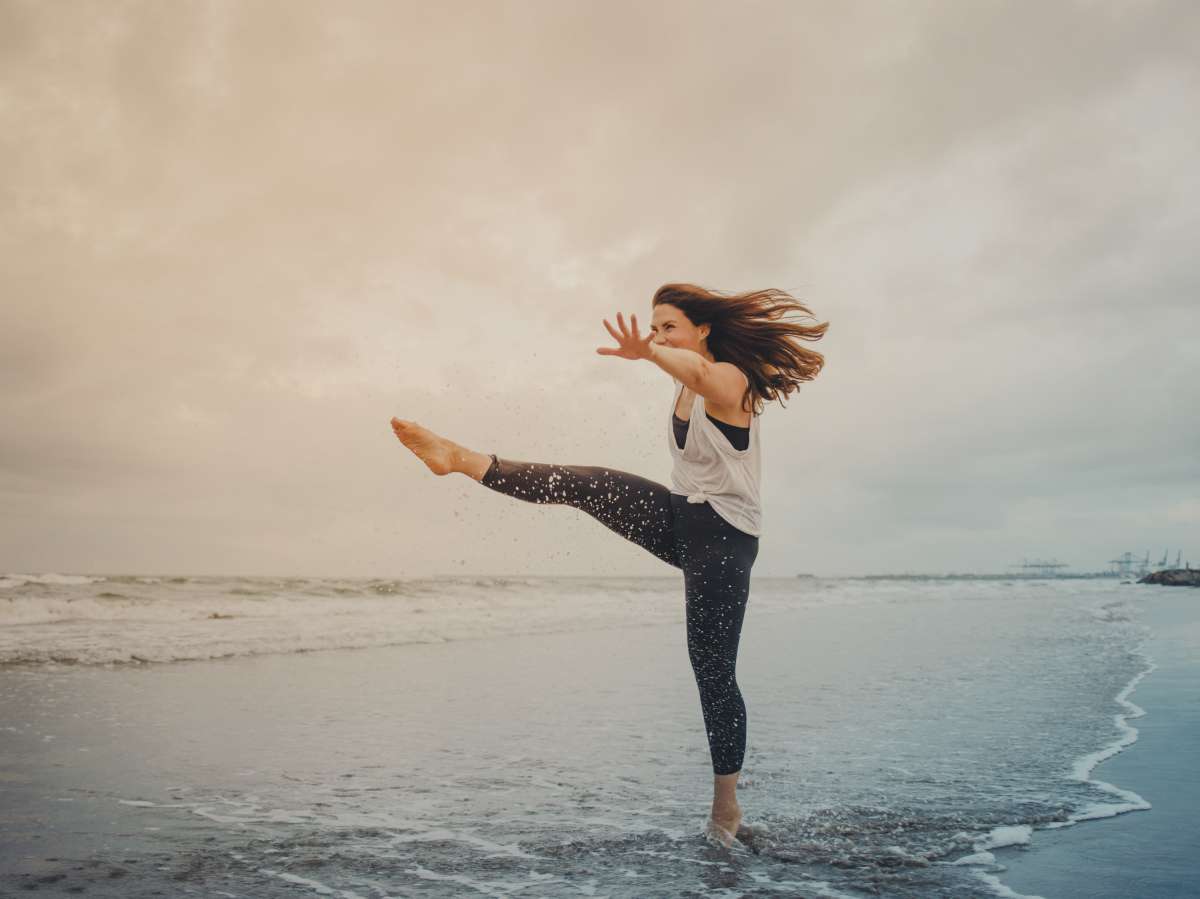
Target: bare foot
436 452
724 823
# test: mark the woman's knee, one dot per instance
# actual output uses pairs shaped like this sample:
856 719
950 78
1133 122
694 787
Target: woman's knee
714 672
544 483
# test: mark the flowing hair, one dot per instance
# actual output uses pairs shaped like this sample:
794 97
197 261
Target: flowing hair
748 330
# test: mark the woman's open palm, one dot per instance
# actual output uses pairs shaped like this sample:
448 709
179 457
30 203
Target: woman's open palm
631 344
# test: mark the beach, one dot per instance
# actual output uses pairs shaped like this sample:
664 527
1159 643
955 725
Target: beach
1151 854
901 734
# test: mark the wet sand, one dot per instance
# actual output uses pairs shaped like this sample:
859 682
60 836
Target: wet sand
1151 854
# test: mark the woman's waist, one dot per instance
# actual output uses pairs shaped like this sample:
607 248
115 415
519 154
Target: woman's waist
715 479
720 511
742 494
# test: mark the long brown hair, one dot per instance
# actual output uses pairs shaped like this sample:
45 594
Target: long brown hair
747 330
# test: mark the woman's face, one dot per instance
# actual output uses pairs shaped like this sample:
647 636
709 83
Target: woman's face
672 328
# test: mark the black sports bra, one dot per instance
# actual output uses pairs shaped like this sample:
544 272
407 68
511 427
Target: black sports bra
739 437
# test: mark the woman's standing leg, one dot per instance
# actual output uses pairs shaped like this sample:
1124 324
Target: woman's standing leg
716 570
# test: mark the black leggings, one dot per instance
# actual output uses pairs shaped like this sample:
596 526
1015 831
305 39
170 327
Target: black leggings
715 558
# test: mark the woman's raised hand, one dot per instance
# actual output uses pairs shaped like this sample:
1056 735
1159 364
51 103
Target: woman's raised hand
631 344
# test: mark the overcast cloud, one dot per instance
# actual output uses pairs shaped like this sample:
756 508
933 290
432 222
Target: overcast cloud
238 237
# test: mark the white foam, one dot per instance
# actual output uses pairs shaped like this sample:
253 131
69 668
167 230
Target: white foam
1000 889
1006 835
445 834
487 889
19 580
315 885
822 887
1082 768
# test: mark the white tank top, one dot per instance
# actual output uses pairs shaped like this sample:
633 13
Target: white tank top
709 468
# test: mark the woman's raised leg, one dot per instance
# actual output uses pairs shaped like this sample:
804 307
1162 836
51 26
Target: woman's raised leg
637 508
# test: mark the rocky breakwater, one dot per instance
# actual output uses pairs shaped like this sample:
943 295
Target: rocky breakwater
1174 577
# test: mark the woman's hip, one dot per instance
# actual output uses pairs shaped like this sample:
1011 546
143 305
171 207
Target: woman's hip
705 538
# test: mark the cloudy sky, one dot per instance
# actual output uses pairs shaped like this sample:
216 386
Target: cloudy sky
238 237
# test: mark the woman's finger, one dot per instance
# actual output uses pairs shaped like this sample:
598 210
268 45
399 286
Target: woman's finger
621 322
611 331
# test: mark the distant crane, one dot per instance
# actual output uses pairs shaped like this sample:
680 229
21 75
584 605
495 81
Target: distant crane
1129 566
1178 557
1041 567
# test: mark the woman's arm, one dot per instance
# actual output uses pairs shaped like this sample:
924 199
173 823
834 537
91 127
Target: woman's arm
687 366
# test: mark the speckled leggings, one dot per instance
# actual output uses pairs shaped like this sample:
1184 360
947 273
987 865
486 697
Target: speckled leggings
715 558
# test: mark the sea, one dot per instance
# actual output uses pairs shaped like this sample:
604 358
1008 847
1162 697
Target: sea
541 736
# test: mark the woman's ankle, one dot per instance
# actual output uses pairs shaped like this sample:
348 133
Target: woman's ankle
474 465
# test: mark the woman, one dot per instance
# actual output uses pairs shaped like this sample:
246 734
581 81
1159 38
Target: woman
727 354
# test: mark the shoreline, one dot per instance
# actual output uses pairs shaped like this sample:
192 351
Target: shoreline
1145 855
